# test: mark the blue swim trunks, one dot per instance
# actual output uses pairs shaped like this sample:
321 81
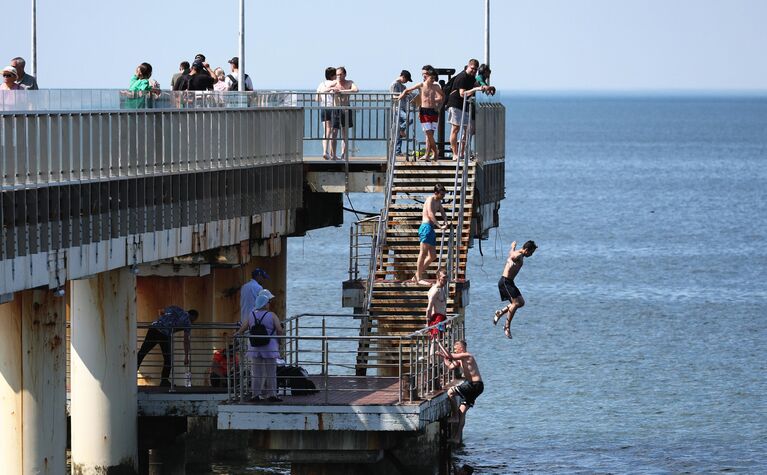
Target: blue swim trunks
426 234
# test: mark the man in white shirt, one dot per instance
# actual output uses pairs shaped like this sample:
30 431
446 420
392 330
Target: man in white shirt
231 79
250 291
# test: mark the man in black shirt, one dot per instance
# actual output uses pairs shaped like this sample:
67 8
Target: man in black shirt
196 80
463 87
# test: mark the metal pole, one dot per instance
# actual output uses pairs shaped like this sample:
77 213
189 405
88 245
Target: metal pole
487 32
33 59
241 65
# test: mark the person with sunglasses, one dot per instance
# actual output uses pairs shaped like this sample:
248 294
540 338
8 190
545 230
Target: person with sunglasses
9 79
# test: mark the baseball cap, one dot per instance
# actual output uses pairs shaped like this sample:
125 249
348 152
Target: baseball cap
235 61
199 57
406 74
259 272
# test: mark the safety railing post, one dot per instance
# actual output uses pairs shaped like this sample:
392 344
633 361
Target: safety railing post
351 253
172 363
399 372
241 369
325 368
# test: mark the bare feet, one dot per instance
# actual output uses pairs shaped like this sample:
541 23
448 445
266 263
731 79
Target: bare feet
498 315
424 282
507 329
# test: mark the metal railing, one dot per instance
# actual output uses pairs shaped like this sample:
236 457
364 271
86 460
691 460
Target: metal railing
325 346
362 238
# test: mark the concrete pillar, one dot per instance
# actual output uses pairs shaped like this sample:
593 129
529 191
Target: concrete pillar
103 367
33 384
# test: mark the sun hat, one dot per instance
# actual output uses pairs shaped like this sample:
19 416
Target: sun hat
263 298
11 69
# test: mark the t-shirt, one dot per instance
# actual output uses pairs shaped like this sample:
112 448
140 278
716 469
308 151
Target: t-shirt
397 88
248 294
137 84
201 82
173 319
231 82
28 82
461 81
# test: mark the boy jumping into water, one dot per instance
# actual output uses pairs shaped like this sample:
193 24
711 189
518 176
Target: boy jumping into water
426 234
471 387
509 291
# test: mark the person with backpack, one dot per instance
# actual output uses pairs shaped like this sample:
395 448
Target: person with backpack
263 348
171 319
460 87
231 79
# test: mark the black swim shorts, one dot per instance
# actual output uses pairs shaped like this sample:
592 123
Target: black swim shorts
470 391
508 289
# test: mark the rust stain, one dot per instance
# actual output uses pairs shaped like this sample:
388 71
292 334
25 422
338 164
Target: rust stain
320 422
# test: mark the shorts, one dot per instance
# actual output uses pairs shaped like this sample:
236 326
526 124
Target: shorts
343 118
508 289
429 119
326 115
455 116
426 234
470 391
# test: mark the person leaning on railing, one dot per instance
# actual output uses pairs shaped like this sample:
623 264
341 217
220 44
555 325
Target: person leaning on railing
171 319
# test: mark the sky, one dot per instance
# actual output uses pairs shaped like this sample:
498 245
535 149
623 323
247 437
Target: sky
536 45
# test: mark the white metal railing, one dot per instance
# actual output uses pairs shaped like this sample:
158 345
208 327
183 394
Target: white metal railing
325 345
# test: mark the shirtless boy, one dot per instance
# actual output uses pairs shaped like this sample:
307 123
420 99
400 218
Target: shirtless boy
431 101
469 390
509 291
343 120
437 297
426 234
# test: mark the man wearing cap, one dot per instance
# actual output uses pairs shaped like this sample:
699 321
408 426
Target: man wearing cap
249 292
25 81
231 79
397 87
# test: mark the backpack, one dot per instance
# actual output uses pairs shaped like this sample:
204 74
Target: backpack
259 335
235 83
447 88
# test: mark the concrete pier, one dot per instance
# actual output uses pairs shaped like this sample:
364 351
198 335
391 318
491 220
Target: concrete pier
103 361
32 386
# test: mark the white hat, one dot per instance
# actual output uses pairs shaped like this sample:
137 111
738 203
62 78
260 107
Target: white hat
263 298
12 70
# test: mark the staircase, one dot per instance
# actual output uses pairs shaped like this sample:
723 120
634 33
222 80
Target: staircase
396 306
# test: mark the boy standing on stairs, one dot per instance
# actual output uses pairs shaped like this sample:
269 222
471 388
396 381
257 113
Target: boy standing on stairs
426 234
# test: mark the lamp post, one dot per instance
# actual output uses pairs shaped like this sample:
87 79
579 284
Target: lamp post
241 65
33 59
487 32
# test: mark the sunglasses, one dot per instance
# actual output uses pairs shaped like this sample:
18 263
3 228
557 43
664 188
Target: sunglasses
8 76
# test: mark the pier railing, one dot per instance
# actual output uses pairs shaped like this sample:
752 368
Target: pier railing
325 346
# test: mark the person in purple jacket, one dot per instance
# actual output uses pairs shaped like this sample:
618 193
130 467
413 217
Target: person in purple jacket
263 358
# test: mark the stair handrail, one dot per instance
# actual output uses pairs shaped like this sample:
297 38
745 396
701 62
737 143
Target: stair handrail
454 239
464 183
380 237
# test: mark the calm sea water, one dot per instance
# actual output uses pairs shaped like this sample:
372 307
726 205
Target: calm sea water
643 345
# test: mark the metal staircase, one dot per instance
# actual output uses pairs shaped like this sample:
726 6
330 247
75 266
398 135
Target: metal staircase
395 306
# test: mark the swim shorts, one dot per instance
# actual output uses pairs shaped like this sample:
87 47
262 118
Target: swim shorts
455 116
426 234
429 118
470 391
508 289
